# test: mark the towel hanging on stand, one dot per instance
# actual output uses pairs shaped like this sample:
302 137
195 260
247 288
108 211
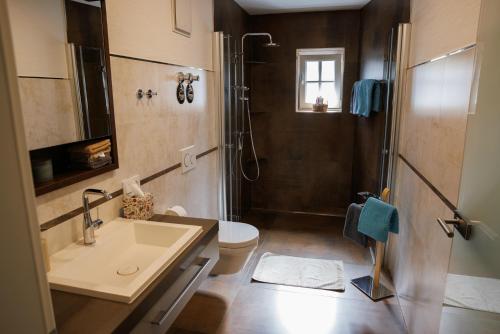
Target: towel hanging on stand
351 225
377 219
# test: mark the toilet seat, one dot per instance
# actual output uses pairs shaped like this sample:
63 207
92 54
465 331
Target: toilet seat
234 235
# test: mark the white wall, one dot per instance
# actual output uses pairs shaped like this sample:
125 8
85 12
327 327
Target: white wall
143 29
39 37
24 293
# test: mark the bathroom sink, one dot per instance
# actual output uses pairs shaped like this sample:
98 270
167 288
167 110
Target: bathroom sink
127 256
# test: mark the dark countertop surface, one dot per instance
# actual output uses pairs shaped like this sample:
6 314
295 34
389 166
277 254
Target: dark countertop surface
83 314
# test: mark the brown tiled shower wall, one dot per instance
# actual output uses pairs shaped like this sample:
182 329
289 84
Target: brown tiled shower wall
312 162
377 20
306 158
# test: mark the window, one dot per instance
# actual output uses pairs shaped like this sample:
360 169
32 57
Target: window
319 73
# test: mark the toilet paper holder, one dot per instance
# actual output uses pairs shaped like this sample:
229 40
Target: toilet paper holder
176 210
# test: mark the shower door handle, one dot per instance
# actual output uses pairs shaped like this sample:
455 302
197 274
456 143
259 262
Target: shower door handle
461 223
446 228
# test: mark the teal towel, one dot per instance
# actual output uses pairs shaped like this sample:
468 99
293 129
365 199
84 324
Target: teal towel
377 219
366 97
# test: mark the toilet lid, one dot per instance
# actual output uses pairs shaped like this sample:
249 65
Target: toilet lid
237 235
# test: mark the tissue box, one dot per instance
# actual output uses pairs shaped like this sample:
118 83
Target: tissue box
138 207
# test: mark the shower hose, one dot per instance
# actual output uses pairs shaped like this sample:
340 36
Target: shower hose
240 145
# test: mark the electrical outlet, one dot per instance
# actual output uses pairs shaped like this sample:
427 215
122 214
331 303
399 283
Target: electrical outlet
127 182
188 158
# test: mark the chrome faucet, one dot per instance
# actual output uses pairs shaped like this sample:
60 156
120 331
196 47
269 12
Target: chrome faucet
90 225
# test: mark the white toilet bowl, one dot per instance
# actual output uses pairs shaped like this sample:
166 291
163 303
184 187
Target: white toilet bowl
237 241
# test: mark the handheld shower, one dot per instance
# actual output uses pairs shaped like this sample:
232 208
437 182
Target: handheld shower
245 104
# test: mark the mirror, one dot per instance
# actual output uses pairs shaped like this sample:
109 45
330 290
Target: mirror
62 60
75 106
88 69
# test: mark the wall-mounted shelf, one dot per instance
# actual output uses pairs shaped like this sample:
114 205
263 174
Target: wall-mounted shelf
70 177
64 174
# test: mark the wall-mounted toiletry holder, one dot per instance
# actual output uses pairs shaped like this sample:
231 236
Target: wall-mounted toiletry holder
181 77
181 95
188 92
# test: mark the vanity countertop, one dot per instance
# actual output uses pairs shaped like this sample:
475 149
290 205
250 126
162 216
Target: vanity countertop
83 314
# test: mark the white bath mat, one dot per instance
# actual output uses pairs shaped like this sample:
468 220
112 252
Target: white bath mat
300 271
472 292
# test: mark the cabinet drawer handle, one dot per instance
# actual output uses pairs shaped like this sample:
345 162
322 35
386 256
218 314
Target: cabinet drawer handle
163 315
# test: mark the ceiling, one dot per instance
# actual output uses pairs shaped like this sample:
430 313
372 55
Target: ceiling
257 7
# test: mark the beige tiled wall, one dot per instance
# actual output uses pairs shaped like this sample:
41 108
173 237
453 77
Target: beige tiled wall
421 252
434 119
48 112
149 134
442 26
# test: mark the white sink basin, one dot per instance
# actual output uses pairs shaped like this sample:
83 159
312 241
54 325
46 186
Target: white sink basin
127 256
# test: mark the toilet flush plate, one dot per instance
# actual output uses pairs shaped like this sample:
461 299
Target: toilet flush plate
188 158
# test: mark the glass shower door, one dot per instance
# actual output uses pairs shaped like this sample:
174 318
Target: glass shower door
472 298
231 125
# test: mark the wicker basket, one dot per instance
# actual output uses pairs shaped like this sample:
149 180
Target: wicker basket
138 207
320 107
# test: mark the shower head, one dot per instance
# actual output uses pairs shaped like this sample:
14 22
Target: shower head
271 45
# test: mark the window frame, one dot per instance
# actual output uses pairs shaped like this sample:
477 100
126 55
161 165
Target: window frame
303 55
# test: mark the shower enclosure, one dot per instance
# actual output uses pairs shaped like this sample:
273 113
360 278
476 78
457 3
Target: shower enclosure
239 159
230 125
236 137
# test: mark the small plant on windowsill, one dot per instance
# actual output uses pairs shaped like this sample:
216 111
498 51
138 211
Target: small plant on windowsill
321 105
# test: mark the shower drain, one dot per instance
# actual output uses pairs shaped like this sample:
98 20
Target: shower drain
127 270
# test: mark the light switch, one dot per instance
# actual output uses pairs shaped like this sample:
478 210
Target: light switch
188 158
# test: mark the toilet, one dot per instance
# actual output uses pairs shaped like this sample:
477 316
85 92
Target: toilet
237 242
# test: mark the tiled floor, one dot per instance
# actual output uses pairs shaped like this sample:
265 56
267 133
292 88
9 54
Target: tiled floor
234 304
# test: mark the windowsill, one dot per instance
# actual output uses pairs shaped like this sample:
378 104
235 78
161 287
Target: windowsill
329 111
